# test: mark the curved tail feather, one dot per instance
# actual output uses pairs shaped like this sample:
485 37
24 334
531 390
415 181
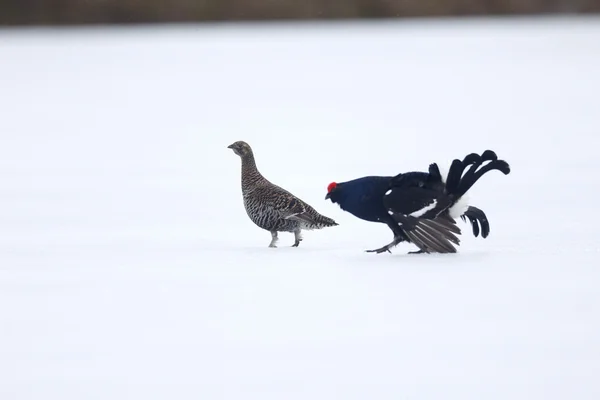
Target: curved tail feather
458 184
473 175
477 218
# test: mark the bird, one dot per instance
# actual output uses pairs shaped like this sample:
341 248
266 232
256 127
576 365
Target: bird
420 207
271 207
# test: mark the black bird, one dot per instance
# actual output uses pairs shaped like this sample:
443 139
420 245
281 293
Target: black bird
420 207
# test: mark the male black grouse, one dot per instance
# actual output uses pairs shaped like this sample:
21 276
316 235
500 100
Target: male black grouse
270 206
420 207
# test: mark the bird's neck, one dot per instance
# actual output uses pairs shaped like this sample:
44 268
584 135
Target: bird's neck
250 173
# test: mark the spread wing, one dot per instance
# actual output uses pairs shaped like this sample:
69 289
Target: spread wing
419 211
430 235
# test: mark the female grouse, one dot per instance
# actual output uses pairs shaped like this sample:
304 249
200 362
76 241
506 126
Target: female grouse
271 207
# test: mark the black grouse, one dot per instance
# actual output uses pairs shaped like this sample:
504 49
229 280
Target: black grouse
272 208
420 207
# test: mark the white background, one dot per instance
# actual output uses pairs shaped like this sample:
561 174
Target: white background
129 269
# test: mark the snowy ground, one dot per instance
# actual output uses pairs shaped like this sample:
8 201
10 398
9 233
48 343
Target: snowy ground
128 267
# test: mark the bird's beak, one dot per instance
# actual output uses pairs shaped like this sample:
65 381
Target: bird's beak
328 195
230 146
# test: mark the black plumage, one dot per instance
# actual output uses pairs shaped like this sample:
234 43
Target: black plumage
420 207
271 207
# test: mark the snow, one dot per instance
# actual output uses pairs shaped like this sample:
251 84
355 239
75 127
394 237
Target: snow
129 269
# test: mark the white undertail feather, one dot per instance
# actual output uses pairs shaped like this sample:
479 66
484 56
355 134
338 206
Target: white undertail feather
460 207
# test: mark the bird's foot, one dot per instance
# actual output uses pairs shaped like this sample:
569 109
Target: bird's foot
380 250
274 240
416 252
297 239
385 248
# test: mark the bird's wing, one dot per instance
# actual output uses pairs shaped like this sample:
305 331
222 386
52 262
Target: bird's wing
280 202
416 201
430 235
419 212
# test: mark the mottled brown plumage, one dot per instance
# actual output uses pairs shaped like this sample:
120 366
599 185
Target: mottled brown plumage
271 207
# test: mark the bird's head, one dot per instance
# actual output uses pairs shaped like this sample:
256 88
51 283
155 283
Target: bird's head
334 192
240 148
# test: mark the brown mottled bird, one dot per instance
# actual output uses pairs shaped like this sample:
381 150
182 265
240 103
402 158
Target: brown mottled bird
271 207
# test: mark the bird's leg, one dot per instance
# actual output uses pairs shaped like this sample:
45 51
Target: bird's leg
274 239
387 247
297 238
398 237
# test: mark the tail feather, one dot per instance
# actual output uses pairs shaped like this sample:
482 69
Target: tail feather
461 184
472 158
477 218
489 155
468 176
454 174
457 169
314 220
323 221
473 175
434 172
